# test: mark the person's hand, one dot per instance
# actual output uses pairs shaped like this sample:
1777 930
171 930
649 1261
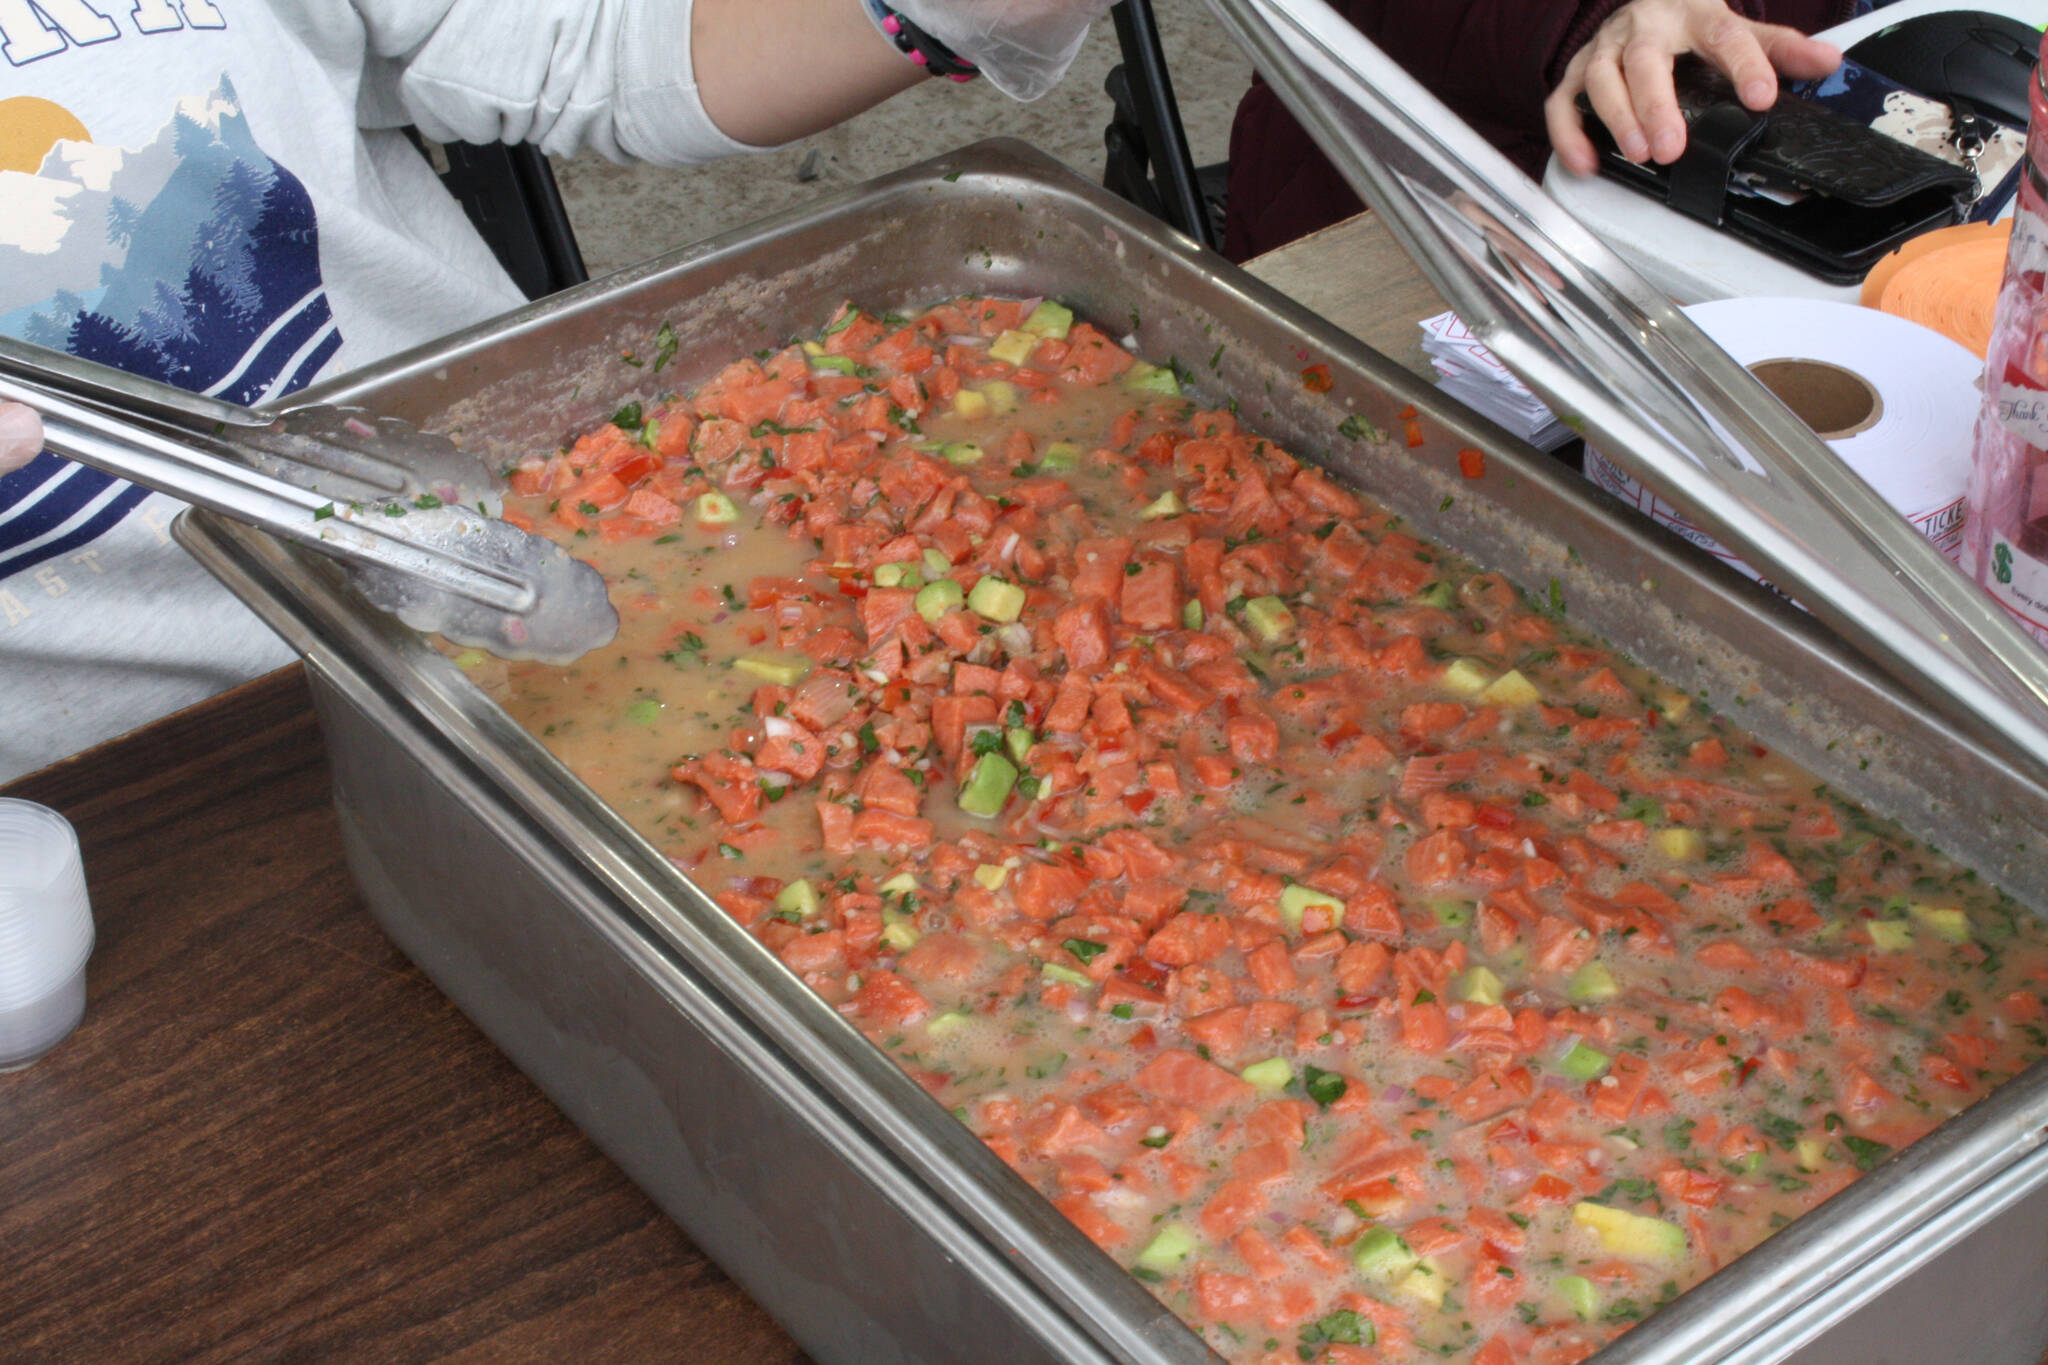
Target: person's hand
1625 70
21 436
1023 47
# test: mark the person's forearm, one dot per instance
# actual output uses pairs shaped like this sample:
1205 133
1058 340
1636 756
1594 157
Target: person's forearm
770 71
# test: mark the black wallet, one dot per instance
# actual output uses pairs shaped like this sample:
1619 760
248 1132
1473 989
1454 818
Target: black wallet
1799 181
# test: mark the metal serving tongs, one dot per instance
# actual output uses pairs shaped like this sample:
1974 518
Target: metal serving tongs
403 509
1619 361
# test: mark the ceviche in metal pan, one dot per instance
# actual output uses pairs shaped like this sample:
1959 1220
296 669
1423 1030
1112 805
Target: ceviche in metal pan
1376 966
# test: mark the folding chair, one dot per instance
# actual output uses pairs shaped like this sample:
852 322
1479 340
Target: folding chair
509 192
1149 162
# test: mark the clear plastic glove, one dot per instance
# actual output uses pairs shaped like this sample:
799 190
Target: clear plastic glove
1625 71
21 436
1023 47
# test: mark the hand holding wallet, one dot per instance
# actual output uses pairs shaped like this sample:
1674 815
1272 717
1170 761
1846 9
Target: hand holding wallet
1799 181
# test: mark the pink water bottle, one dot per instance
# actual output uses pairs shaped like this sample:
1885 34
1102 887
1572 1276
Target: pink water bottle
2007 546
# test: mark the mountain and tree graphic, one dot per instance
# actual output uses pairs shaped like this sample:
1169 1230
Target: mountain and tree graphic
202 253
193 259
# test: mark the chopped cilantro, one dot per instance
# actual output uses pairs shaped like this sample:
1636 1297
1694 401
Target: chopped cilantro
1087 950
1324 1087
664 346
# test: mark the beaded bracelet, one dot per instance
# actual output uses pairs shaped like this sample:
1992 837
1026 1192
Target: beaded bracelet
913 42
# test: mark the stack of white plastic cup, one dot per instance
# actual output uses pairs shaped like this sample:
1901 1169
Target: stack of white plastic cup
45 932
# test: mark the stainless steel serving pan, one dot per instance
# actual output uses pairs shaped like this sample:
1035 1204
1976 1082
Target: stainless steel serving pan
843 1197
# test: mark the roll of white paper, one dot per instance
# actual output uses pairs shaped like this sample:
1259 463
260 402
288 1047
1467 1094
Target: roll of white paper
1897 401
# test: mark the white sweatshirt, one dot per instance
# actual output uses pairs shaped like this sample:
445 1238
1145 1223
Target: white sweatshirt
216 193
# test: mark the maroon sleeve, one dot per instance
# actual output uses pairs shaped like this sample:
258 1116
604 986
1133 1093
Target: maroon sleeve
1489 60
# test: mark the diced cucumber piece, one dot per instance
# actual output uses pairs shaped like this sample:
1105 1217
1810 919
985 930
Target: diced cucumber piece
798 898
1269 619
900 884
1478 986
783 672
936 565
1427 1283
1451 914
835 364
1945 921
1584 1063
716 509
1631 1234
952 1021
1167 504
1680 845
897 576
1018 741
1013 348
991 876
970 404
1578 1291
645 711
1002 395
988 786
1889 935
1271 1075
1050 319
1169 1246
1057 971
1592 982
900 935
995 599
1380 1254
469 658
1144 378
962 452
1439 594
1191 614
1466 678
1295 899
936 599
1059 457
1511 689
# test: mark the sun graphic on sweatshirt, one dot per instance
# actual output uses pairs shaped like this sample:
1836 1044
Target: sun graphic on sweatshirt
30 127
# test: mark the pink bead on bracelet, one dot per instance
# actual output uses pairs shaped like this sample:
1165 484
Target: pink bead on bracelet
913 42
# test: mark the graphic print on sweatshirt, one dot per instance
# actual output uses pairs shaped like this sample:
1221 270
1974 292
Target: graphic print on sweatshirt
193 259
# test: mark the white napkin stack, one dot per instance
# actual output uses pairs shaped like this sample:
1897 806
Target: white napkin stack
1470 373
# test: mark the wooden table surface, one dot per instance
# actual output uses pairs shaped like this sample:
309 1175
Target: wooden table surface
272 1138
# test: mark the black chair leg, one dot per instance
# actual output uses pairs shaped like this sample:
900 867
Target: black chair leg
1149 161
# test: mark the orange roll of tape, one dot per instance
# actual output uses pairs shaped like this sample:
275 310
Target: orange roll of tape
1946 280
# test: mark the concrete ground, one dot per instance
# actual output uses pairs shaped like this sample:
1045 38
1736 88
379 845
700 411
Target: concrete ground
626 214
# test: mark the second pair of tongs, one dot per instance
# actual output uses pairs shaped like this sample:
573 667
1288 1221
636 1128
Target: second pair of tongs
407 512
1619 361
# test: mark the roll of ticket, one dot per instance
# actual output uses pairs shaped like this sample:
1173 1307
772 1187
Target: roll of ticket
1897 401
